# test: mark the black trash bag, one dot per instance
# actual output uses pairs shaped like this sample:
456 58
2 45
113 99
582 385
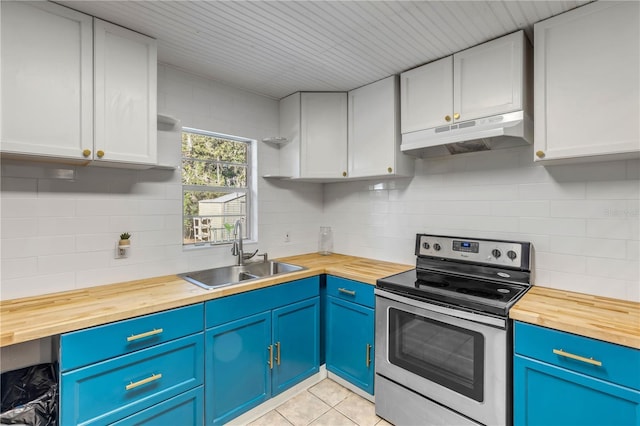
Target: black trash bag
30 396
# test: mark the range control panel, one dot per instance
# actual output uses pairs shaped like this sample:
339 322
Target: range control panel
512 254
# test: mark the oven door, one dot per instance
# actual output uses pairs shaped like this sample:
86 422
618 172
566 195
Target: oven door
453 357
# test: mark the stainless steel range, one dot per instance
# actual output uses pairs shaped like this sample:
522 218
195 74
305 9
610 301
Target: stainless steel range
443 337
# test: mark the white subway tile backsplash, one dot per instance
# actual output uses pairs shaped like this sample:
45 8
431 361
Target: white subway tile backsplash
591 247
620 190
614 268
613 228
561 262
552 191
553 226
17 268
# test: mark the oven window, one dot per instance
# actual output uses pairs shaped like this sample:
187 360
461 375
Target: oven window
443 353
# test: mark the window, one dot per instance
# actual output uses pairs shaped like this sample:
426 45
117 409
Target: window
215 186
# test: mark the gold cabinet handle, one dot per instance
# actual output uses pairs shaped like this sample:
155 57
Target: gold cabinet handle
345 291
447 118
389 170
344 174
278 353
540 154
153 378
456 116
143 335
86 153
368 361
100 153
577 357
270 357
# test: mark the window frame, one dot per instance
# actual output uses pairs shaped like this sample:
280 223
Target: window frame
249 191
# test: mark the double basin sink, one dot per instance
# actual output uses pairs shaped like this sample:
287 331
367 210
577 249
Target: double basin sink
229 275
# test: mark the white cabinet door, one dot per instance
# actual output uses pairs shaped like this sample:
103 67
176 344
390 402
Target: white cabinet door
374 133
125 95
323 135
426 95
47 87
488 79
587 88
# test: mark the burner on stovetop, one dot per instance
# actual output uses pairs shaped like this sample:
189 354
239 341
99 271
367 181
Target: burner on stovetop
436 281
478 292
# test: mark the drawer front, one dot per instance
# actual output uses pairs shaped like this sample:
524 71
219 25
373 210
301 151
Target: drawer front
85 347
619 364
350 290
184 409
114 389
231 308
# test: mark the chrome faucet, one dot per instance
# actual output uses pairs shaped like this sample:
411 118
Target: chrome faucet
237 249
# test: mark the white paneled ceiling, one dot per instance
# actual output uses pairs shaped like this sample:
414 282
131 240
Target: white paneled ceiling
275 48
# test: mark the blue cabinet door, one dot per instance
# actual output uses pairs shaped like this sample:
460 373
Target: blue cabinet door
548 395
350 340
296 340
237 371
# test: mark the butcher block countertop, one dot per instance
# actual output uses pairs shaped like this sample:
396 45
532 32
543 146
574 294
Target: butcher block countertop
611 320
36 317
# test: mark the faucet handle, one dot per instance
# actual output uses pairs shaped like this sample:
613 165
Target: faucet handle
249 256
265 257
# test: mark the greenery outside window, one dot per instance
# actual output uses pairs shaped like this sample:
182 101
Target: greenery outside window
215 186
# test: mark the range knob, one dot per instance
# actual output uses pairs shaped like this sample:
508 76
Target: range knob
425 246
496 253
436 247
511 254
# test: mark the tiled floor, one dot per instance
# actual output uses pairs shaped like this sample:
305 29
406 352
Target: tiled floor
325 404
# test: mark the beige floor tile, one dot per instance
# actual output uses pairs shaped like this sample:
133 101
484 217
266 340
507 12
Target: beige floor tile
359 410
272 418
330 392
302 409
383 422
332 418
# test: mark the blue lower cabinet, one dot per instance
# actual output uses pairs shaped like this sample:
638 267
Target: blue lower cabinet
237 371
271 344
111 390
563 379
185 409
349 331
296 337
350 340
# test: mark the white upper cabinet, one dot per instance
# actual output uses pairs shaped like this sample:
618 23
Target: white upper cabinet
374 131
76 90
125 79
47 80
587 87
482 81
315 125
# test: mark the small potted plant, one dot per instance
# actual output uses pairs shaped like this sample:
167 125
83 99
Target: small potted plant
124 239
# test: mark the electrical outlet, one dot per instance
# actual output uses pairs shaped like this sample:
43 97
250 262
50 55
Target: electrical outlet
287 238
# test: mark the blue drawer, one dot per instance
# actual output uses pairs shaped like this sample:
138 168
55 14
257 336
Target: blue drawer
620 364
350 290
184 409
85 347
114 389
231 308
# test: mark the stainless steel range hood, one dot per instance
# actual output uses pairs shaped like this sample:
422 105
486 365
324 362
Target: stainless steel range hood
498 131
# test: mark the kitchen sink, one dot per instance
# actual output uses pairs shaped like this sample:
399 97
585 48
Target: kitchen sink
229 275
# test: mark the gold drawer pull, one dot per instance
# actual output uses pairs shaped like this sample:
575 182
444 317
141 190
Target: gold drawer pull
368 362
153 378
577 357
345 291
143 335
278 353
270 357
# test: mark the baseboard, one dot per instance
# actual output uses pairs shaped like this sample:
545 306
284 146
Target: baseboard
353 388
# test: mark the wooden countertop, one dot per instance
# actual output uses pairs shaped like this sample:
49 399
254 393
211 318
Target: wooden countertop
603 318
32 318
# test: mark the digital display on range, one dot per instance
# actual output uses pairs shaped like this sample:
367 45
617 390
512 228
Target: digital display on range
466 246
